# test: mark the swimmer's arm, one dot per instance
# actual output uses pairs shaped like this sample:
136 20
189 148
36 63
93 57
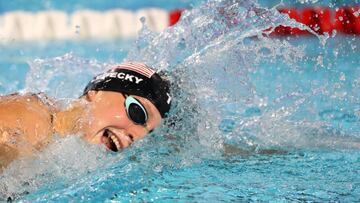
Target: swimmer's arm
24 118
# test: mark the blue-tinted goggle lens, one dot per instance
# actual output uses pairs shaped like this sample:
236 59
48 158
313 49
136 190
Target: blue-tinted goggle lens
135 110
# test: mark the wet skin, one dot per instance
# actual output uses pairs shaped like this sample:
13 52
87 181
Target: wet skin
25 126
99 117
110 119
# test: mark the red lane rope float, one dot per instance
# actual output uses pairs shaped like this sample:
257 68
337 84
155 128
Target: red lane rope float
345 20
174 16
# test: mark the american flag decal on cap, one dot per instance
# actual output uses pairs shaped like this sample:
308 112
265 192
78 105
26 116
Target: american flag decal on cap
140 68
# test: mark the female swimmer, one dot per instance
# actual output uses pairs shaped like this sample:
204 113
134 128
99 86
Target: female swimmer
117 108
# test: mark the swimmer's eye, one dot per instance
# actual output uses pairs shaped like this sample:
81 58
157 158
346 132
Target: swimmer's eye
135 110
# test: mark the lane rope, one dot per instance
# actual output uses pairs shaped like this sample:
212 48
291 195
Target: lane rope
119 23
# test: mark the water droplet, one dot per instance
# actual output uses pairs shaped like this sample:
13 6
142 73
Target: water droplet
252 14
334 32
182 44
77 29
142 20
342 77
320 61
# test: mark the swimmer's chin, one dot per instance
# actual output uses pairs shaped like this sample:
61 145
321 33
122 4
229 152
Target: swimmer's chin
92 139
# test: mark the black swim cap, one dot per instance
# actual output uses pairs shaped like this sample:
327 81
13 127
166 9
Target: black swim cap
135 78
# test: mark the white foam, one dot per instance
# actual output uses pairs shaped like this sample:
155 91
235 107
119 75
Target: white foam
54 163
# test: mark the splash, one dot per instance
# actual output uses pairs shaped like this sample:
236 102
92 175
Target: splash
234 87
58 76
55 164
249 89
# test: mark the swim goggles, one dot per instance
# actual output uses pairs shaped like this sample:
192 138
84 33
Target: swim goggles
135 110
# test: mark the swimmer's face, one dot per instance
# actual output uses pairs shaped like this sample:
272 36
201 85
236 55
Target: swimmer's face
109 124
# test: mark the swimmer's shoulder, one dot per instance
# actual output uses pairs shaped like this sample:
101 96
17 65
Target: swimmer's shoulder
39 100
25 125
30 114
30 109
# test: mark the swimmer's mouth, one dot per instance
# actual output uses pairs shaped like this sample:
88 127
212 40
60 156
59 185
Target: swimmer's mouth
112 142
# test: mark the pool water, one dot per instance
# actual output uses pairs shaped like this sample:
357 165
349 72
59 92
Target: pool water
254 119
16 57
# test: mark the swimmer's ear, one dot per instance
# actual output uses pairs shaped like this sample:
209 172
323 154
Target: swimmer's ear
90 95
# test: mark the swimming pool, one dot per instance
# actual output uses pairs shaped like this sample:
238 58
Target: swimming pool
255 119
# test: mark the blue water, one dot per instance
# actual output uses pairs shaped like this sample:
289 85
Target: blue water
15 57
255 119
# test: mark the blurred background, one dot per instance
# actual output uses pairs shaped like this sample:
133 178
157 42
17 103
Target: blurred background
31 29
73 5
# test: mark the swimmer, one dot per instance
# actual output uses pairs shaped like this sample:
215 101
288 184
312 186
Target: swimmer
117 108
